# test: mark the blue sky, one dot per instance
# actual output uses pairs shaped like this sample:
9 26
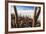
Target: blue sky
25 7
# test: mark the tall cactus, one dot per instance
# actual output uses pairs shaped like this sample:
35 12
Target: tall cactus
16 17
36 15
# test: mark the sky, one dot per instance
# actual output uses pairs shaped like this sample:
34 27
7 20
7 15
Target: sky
25 11
24 7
